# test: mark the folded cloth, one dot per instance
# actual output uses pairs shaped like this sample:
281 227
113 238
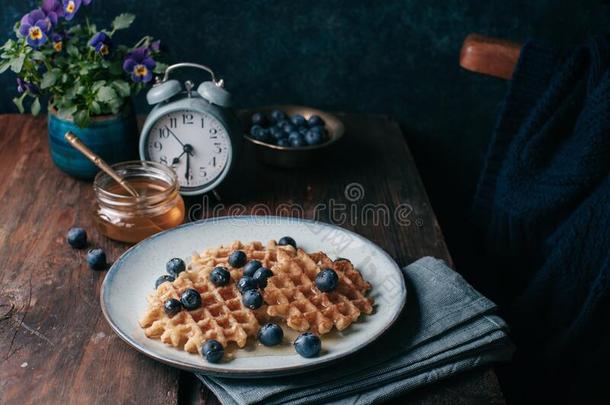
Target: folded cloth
446 327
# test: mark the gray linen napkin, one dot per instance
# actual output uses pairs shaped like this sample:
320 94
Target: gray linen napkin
450 328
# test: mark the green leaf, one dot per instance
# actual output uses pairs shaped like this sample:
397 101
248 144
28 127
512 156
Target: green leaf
17 63
67 111
123 21
160 68
19 103
37 55
82 118
35 106
4 66
49 79
122 87
96 109
107 95
73 51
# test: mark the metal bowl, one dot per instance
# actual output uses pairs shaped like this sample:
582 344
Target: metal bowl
286 156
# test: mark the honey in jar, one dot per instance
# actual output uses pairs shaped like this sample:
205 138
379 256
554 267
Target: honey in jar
123 217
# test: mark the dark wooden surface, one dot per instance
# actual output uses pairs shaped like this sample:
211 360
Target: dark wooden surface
55 345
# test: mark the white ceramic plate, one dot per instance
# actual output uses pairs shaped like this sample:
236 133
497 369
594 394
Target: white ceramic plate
132 278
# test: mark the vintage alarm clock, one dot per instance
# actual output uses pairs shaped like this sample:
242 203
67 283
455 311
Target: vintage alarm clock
195 133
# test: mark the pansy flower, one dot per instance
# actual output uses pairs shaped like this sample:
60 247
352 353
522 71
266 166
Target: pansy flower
155 46
139 65
102 44
58 43
53 9
23 86
34 27
72 6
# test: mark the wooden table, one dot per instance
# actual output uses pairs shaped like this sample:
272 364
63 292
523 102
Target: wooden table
55 344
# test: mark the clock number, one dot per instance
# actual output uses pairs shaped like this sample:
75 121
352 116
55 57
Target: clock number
157 145
202 172
202 122
213 133
217 144
163 159
214 161
173 122
187 119
163 133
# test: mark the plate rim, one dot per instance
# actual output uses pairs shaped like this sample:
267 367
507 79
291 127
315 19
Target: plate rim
232 373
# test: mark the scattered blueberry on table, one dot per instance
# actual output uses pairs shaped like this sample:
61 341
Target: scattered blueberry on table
96 259
245 284
308 345
237 259
190 299
261 275
77 238
281 130
212 351
252 299
270 334
287 240
172 306
220 276
175 266
164 278
327 280
251 267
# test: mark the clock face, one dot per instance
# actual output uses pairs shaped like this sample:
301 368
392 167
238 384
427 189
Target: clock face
194 143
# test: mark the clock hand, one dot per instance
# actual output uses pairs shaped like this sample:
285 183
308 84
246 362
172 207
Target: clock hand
188 168
174 135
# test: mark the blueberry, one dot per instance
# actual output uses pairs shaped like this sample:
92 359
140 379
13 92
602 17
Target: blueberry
287 240
327 280
283 142
303 130
297 142
190 299
252 299
164 278
277 132
288 128
298 120
259 119
245 284
172 306
283 123
265 136
313 138
278 116
319 130
261 276
237 259
212 351
77 238
308 345
251 267
96 259
315 121
294 135
220 276
255 130
270 334
175 266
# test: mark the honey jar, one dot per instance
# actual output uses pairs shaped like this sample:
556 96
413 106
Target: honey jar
123 217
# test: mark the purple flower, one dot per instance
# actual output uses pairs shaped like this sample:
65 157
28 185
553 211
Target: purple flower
23 86
155 46
102 43
53 9
34 27
58 42
71 7
140 65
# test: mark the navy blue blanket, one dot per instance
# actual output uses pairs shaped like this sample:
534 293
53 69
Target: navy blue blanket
543 206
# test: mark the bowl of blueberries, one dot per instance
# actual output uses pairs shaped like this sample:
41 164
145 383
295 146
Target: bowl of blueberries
290 136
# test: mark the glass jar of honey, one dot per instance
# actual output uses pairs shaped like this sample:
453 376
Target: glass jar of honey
159 206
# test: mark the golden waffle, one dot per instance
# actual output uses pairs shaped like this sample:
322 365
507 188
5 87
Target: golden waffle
291 293
222 315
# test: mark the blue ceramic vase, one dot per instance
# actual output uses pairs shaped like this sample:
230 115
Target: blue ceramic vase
112 137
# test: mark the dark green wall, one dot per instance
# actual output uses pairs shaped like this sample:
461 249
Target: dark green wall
397 57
